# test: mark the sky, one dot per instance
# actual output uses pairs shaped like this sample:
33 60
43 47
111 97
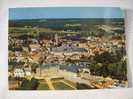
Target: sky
65 12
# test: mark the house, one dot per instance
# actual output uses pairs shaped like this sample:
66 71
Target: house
27 71
34 47
19 73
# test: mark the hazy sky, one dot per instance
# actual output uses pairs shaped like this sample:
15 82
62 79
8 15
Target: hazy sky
65 12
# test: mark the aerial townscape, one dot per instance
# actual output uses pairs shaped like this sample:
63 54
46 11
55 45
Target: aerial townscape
67 54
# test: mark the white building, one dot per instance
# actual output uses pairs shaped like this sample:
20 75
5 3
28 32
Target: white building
19 73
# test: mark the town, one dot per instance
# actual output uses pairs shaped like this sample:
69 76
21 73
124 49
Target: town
67 57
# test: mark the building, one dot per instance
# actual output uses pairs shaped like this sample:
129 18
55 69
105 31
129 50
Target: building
68 50
19 73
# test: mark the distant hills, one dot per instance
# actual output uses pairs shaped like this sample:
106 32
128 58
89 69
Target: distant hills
51 23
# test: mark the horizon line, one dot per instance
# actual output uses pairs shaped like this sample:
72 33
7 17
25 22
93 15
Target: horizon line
62 18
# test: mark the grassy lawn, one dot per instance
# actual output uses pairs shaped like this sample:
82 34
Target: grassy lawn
43 86
61 86
70 82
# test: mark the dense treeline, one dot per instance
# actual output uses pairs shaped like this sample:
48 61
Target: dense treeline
59 24
108 64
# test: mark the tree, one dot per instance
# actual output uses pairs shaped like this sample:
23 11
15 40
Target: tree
34 84
29 84
25 85
106 58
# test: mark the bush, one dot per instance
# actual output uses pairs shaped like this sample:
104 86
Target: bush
29 84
